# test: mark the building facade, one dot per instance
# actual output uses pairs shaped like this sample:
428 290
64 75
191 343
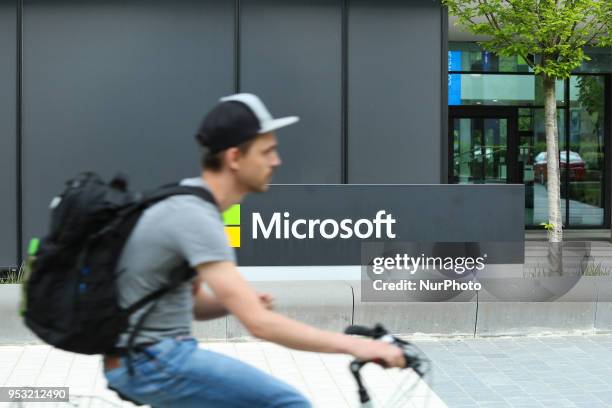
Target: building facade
385 96
496 131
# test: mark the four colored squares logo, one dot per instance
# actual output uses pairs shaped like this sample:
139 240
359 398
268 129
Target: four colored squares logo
231 219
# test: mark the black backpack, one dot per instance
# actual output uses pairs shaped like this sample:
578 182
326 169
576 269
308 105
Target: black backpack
71 295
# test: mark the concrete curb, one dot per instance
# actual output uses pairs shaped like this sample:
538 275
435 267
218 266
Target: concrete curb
12 329
326 305
573 312
333 305
603 311
432 318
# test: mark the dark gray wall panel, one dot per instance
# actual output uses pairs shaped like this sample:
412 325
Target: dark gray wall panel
423 215
394 91
117 85
291 57
8 169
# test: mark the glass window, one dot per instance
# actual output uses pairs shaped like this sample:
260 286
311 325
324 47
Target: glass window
586 156
532 155
499 90
525 120
601 61
469 56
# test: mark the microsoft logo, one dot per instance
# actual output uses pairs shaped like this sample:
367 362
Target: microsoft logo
283 227
231 219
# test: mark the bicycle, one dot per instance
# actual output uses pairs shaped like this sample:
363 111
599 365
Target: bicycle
415 360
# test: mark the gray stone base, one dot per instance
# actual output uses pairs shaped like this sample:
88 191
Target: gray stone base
326 305
432 318
12 328
334 305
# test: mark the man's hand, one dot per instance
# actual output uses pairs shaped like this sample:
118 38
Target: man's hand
267 300
373 350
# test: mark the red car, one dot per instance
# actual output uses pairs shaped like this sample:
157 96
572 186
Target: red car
576 166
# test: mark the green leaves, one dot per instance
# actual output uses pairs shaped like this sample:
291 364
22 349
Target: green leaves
554 30
547 226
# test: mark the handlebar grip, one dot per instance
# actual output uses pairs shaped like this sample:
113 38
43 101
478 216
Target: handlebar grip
359 330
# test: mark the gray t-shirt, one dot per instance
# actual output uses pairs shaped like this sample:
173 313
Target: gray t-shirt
177 229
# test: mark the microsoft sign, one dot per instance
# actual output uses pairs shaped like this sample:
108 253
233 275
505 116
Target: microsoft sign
328 224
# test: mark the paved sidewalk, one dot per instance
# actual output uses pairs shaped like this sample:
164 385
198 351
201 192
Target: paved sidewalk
550 371
323 378
567 371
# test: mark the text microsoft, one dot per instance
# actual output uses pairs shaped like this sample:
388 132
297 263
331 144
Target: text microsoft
285 228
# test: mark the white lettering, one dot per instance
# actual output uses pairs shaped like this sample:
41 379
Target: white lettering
294 230
286 225
448 284
415 265
311 225
377 265
334 225
327 228
388 221
274 225
367 234
345 227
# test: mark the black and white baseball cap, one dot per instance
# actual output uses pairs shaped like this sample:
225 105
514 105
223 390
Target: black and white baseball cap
236 119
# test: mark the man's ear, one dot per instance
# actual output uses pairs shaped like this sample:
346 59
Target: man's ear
232 155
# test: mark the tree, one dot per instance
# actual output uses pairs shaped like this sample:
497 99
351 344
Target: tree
550 35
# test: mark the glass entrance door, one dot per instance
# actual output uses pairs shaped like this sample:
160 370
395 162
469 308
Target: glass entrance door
480 147
481 144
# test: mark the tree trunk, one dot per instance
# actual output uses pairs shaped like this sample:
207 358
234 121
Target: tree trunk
555 235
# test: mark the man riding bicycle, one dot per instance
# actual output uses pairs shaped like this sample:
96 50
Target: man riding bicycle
167 369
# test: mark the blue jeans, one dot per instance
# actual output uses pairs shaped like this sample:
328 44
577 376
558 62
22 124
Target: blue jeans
176 373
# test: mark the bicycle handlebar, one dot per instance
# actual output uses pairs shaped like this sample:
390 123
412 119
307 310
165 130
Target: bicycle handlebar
415 359
412 355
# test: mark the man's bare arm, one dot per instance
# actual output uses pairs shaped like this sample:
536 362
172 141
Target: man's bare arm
235 294
205 305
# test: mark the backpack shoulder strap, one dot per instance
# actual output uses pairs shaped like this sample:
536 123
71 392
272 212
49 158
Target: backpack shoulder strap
128 216
176 189
180 274
185 271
